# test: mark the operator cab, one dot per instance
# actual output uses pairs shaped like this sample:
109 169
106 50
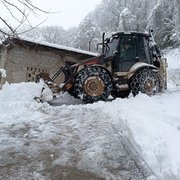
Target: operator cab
126 49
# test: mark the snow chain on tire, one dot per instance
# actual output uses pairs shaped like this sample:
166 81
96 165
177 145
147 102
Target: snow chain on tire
145 81
93 84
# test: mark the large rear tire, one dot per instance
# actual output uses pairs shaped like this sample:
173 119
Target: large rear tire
93 84
145 81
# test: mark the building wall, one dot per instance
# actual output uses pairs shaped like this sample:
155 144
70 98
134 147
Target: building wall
23 64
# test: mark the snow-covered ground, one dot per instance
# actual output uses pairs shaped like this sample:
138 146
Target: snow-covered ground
39 141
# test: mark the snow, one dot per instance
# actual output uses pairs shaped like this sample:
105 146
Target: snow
87 136
2 72
174 67
155 124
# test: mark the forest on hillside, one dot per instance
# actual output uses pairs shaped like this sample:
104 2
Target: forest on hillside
118 15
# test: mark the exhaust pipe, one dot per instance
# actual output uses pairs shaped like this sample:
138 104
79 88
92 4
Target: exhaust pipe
103 36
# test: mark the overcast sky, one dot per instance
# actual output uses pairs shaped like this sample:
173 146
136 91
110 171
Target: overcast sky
70 12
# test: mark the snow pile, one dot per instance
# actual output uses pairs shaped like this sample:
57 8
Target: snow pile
2 73
173 59
155 126
16 100
89 136
64 99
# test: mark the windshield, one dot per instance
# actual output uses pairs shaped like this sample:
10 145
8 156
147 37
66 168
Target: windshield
128 47
111 46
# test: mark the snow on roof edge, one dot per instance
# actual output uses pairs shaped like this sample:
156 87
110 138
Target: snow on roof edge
58 46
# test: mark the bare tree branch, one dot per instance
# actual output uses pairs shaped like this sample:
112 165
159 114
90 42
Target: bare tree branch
22 8
11 29
28 4
6 3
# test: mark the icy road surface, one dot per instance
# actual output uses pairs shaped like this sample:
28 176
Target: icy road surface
131 138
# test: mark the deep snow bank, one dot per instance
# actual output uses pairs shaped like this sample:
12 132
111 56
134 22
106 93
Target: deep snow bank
155 126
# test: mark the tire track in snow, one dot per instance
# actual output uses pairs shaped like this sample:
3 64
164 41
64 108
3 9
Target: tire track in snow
79 138
100 148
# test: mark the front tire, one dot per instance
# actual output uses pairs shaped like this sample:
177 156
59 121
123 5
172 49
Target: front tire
93 84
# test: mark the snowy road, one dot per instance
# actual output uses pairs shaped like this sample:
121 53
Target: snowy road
93 141
90 145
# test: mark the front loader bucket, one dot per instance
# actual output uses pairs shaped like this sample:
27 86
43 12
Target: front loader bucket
50 83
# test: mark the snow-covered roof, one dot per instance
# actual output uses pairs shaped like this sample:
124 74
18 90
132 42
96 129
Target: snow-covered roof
131 33
56 46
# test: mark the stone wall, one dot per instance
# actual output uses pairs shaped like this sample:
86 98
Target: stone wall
23 64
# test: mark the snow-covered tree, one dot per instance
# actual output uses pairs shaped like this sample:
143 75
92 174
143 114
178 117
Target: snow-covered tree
139 15
111 16
54 34
176 30
127 21
51 34
88 33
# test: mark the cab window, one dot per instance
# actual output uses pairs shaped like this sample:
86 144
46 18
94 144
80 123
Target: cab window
128 48
111 47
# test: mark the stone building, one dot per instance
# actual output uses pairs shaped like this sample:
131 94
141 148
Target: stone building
24 58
